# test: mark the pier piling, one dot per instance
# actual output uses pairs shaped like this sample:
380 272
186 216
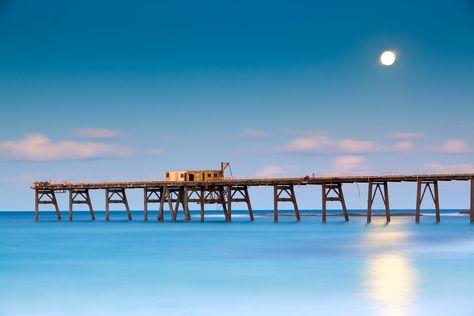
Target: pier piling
201 203
151 195
422 187
80 196
116 196
472 200
46 196
284 193
238 193
333 193
371 197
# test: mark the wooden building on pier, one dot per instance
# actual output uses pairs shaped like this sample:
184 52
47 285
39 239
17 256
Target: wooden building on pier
196 175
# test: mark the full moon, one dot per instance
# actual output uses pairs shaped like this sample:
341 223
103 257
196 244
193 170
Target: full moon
387 58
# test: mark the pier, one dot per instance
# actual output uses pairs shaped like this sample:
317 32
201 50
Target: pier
176 195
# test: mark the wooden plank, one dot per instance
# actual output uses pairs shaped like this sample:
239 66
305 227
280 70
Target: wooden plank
257 182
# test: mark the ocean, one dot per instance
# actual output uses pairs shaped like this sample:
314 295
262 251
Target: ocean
239 268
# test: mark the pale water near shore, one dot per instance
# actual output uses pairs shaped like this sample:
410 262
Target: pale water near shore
241 268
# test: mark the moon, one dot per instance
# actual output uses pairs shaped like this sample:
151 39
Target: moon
388 58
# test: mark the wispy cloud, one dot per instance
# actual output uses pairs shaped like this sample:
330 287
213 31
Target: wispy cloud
271 171
406 136
155 152
454 146
463 167
254 133
403 145
38 147
98 133
322 143
349 163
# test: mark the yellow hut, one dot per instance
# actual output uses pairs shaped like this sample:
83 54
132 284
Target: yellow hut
196 175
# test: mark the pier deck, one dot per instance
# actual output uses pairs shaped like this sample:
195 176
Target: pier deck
226 191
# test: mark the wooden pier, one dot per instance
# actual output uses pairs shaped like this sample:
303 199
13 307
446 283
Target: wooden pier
224 192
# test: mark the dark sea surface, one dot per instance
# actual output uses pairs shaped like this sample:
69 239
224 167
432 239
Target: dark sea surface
239 268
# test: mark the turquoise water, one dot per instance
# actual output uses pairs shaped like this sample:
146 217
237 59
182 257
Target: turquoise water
239 268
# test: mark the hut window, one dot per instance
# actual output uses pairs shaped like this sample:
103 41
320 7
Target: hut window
182 175
215 175
167 175
209 175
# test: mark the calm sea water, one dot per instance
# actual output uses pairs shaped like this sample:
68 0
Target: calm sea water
241 268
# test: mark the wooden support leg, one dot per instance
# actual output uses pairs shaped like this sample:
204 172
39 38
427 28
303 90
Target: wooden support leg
36 205
174 214
343 202
145 204
80 196
70 205
127 208
249 206
107 205
121 198
187 215
275 204
164 193
202 197
56 207
284 193
324 202
387 201
46 196
370 201
295 204
371 198
89 204
337 196
436 201
222 198
432 187
472 201
418 200
176 205
229 204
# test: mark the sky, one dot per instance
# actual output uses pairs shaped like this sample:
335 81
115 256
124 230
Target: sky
125 90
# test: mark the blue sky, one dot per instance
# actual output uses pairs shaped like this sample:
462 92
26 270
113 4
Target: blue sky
122 90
